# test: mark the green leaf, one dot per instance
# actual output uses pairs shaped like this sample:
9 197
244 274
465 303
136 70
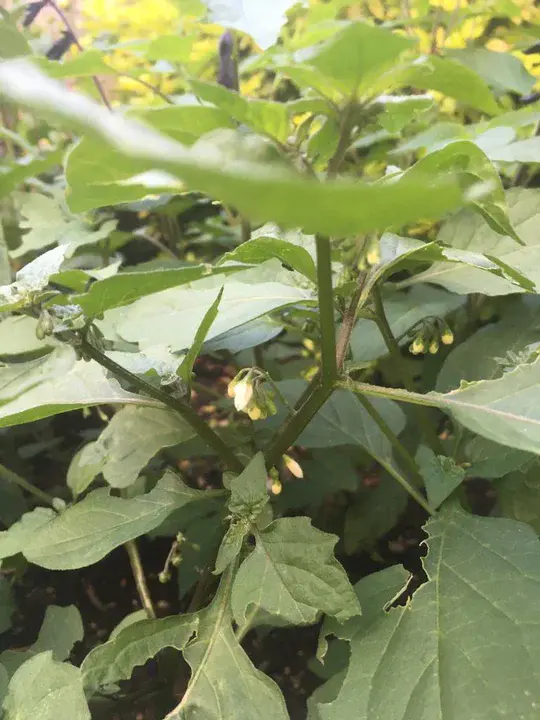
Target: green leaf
471 626
85 532
266 246
130 440
223 680
403 310
32 278
452 79
186 368
441 475
356 56
12 42
292 575
518 496
491 460
84 467
374 511
45 689
4 682
400 110
126 287
48 224
172 317
257 190
26 168
248 499
116 659
61 628
523 151
55 384
502 70
467 232
84 64
18 337
494 348
262 116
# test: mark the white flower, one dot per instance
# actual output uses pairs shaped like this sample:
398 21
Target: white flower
243 392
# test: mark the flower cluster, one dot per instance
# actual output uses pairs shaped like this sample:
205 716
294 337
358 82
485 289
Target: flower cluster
250 396
428 336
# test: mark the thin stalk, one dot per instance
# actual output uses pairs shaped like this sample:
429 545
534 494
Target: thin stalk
16 479
347 124
185 411
147 85
326 310
399 448
139 576
17 140
406 378
413 492
291 430
99 87
348 323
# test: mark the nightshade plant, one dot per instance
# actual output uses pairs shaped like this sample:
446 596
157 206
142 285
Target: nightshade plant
363 250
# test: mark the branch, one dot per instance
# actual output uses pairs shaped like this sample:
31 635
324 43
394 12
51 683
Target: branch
185 411
16 479
326 310
99 87
140 579
406 378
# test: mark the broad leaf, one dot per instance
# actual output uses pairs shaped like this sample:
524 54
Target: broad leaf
441 475
258 190
131 439
116 659
61 628
524 151
172 317
292 575
518 496
467 232
223 681
45 689
490 460
354 57
32 278
472 626
494 349
85 532
502 70
18 337
267 118
56 384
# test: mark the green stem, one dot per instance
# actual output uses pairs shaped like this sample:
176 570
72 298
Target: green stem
406 378
16 479
185 411
412 398
326 310
139 577
399 448
291 430
347 125
413 492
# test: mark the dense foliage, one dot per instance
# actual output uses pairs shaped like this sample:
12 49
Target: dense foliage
281 331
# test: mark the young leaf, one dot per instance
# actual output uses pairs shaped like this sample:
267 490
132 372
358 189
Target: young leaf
472 626
354 57
186 368
116 659
292 575
259 191
131 439
267 118
467 232
223 681
85 532
45 689
441 475
61 628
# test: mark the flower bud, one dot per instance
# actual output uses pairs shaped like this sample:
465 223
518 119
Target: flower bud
434 347
447 337
417 346
243 392
164 577
293 467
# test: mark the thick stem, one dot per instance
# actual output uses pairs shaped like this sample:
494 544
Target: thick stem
99 87
185 411
406 378
16 479
326 310
140 579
